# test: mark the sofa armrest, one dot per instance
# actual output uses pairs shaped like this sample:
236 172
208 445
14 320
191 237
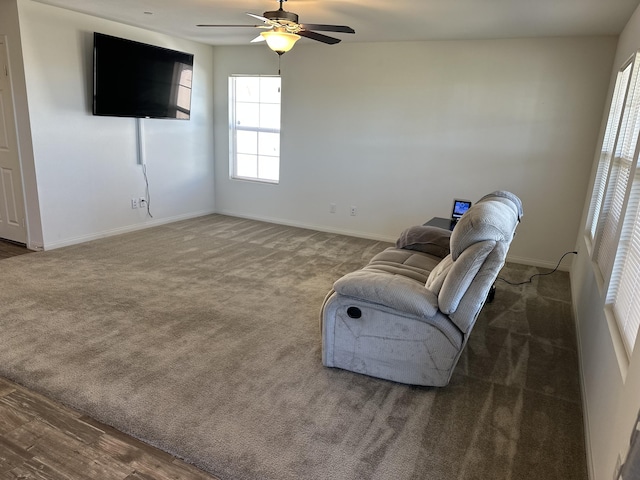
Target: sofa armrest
425 239
394 291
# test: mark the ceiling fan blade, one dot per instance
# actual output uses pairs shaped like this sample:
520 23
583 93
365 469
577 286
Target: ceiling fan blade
258 39
319 37
327 28
259 17
234 26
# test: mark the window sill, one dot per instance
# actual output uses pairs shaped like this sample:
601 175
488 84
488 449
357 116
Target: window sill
255 180
618 344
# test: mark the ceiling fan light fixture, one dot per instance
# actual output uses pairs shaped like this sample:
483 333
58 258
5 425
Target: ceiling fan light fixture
280 42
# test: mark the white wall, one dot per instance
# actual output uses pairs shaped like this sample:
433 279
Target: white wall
400 129
611 389
86 166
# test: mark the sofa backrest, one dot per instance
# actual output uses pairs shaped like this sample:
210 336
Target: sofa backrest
479 245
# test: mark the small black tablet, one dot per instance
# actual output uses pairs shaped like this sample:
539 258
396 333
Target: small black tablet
459 208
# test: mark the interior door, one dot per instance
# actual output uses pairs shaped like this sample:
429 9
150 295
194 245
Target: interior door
12 210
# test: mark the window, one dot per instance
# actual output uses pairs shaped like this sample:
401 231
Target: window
619 169
610 136
254 127
614 216
626 279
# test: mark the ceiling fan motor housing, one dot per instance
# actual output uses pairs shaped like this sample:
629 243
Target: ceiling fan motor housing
280 15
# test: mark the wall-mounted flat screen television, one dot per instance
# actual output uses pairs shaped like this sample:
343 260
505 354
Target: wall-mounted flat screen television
132 79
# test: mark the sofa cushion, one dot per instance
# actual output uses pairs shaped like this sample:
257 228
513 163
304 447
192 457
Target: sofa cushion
461 274
508 199
438 274
425 239
408 263
393 291
486 220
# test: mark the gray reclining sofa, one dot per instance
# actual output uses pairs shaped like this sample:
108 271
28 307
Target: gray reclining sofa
408 314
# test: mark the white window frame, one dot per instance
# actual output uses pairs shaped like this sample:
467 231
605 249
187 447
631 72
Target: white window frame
597 212
234 128
613 223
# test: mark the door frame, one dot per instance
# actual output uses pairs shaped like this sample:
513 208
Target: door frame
4 45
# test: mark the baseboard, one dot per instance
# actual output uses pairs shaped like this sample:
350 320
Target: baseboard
35 246
583 392
382 238
565 265
118 231
278 221
310 226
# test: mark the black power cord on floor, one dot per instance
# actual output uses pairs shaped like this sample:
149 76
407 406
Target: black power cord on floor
539 274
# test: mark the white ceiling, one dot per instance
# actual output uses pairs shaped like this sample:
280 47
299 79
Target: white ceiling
373 20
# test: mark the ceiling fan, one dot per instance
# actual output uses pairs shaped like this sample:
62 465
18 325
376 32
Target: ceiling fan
282 30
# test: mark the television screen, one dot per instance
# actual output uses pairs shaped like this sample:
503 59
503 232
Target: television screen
132 79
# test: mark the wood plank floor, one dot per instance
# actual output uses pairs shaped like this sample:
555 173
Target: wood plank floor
44 440
10 249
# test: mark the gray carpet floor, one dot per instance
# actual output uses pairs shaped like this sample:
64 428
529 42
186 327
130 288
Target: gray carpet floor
202 337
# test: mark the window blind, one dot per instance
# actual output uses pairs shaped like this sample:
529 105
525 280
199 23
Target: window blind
608 144
625 278
614 222
620 169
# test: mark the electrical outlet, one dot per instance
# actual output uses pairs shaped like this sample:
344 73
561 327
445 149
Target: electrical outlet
142 202
332 208
354 211
134 203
